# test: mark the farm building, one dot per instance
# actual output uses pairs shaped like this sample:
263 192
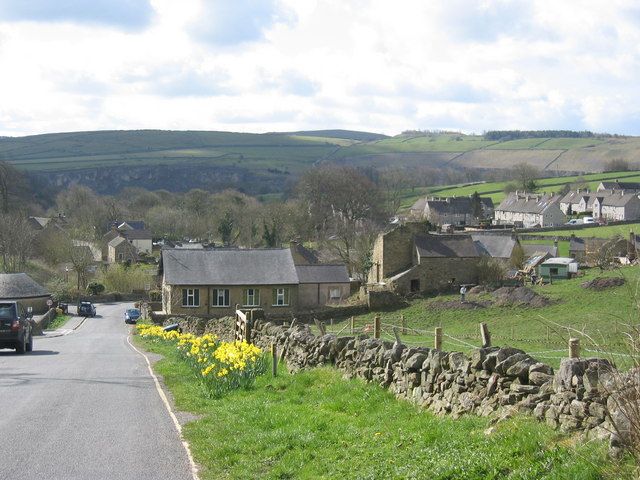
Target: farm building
558 267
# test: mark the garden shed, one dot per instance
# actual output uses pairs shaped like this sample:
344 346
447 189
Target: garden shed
558 267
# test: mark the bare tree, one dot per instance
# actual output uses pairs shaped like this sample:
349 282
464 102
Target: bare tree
17 240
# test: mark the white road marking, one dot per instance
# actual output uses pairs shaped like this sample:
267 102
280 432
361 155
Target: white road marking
163 397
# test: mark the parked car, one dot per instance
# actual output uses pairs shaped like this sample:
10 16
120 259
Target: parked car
131 315
87 309
573 221
588 220
15 327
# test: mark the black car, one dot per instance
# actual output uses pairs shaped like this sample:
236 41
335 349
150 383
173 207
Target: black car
15 327
131 315
86 309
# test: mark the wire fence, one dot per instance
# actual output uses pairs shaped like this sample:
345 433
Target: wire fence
556 335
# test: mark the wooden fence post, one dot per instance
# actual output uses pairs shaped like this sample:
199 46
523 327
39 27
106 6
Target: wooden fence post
574 348
485 335
376 327
274 356
403 322
438 341
352 325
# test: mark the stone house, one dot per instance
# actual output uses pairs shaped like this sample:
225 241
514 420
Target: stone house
141 239
409 259
530 210
211 282
119 250
617 206
576 201
458 211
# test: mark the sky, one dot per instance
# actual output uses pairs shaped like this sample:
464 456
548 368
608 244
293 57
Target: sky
288 65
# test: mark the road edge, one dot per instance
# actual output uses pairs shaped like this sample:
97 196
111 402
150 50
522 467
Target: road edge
174 418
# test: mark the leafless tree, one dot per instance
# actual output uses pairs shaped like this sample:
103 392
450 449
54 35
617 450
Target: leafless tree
17 239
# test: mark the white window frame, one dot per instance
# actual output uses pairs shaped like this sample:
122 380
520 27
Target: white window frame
281 297
225 294
255 297
191 298
332 290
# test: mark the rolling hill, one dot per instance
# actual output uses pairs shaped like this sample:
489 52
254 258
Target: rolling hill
264 163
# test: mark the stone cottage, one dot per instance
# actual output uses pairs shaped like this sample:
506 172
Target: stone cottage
528 210
458 211
409 259
281 281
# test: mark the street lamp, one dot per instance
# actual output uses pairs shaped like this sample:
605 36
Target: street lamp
66 274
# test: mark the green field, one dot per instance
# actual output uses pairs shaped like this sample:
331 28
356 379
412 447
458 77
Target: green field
540 331
605 231
316 425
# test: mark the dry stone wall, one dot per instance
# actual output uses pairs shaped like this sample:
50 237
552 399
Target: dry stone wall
500 380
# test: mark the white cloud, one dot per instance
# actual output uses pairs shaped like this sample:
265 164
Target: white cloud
303 64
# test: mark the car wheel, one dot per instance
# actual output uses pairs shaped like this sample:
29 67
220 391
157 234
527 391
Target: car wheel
21 347
30 344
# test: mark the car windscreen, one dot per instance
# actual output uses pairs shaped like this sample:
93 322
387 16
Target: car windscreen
7 311
133 311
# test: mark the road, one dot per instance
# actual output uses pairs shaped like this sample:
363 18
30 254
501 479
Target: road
84 406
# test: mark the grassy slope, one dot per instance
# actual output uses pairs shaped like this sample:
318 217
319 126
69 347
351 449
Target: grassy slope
316 425
294 151
605 231
531 329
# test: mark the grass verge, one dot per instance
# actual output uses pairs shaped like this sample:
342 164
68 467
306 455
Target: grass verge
316 425
58 321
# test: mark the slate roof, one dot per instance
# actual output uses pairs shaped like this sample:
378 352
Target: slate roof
576 197
110 235
532 249
229 267
137 234
117 241
527 203
496 246
450 205
135 224
20 285
617 199
322 273
616 185
446 246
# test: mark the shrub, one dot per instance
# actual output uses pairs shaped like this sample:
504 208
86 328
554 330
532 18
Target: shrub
95 288
490 271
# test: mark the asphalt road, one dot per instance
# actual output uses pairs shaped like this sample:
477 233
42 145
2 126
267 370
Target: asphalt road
84 406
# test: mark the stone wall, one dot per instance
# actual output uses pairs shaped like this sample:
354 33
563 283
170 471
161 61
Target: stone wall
495 380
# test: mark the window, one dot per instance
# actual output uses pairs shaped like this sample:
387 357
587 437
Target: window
190 297
415 285
335 293
252 297
220 297
280 297
121 256
553 271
